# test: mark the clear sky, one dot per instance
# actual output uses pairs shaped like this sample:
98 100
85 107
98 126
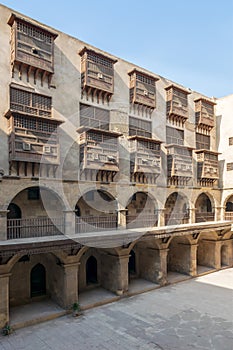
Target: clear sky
189 42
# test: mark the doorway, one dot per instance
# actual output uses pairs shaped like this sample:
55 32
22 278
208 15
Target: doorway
91 271
38 281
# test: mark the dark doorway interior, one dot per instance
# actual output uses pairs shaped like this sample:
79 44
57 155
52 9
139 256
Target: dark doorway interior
14 211
38 281
91 270
132 264
13 221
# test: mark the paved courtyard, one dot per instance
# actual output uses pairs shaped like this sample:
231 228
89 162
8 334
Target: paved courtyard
195 314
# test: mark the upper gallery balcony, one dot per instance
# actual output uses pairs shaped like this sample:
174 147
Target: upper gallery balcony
145 157
205 210
99 150
177 103
85 224
179 164
35 212
34 227
207 167
204 111
97 74
229 209
176 209
32 46
142 89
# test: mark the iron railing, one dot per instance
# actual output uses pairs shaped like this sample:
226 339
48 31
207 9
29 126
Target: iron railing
229 215
177 218
95 223
204 216
142 220
34 227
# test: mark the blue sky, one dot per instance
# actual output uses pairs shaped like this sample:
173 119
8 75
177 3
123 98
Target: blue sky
190 42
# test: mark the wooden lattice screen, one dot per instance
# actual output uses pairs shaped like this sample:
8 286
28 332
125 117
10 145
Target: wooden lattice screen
30 103
94 117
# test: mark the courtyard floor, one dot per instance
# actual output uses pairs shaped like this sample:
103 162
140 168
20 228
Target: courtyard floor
194 314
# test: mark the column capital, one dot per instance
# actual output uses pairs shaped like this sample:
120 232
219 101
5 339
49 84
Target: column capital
4 212
68 265
4 275
67 211
124 256
163 250
122 210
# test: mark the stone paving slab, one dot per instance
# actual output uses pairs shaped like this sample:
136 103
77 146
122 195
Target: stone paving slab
194 314
32 313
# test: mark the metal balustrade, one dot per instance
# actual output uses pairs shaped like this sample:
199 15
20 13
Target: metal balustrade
34 227
141 220
95 223
204 216
45 226
229 215
177 218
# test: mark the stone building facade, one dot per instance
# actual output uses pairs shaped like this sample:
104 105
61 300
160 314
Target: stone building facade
109 173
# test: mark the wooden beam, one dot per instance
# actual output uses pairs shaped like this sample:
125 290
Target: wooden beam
36 73
29 70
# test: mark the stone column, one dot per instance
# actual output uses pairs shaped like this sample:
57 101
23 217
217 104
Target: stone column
4 299
122 218
161 220
69 222
122 274
3 225
218 212
222 213
193 260
70 285
162 276
192 215
217 255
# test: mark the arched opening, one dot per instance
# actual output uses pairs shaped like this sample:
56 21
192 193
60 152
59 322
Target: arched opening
176 209
35 279
132 265
178 259
229 209
204 209
35 212
14 211
14 216
206 253
91 271
38 281
224 255
96 210
97 276
141 211
143 267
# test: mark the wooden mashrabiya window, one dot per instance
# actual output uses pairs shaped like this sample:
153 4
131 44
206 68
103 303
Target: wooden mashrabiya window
32 47
97 74
142 89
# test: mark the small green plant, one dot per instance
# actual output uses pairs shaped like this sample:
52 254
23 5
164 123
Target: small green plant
7 330
76 309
